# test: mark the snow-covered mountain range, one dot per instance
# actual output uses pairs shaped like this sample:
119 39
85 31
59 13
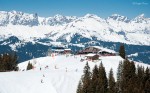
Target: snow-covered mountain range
115 28
31 36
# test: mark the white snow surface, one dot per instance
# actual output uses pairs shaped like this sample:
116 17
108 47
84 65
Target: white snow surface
61 74
135 54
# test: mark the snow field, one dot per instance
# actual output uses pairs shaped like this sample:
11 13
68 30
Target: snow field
58 74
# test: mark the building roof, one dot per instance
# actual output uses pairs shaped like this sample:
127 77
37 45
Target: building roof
90 55
107 50
104 49
60 49
68 49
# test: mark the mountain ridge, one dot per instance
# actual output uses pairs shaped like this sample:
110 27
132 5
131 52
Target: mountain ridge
27 31
119 28
15 14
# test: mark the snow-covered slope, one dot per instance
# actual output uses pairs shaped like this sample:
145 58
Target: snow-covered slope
61 75
115 28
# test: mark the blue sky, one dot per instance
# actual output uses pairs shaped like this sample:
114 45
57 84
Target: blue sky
102 8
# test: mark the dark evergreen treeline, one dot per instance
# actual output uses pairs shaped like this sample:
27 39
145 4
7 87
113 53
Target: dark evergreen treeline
29 66
8 62
122 51
130 79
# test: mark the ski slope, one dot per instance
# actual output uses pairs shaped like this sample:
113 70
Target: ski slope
58 74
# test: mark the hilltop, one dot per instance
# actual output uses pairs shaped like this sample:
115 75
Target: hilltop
59 74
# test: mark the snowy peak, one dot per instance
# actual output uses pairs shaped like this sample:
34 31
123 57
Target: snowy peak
141 15
13 12
4 18
90 16
18 18
58 16
141 19
58 20
118 17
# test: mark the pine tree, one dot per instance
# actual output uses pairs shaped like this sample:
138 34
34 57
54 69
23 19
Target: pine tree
132 78
146 81
128 77
14 61
122 51
125 75
29 66
79 88
147 86
146 75
95 76
139 80
111 82
102 81
8 62
86 79
119 77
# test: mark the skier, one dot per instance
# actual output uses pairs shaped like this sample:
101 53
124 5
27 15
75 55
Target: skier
76 70
66 69
42 81
56 67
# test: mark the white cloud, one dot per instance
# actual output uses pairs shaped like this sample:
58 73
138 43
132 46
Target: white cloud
139 3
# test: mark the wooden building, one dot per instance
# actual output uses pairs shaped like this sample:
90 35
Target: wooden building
91 49
92 57
67 51
61 50
97 50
